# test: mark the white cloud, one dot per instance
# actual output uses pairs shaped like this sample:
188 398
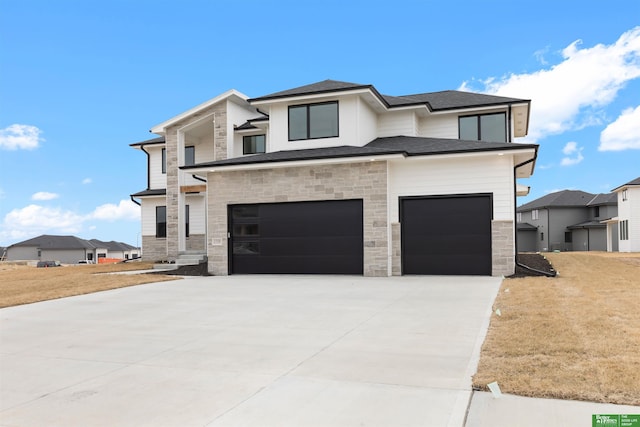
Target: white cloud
573 153
125 210
17 136
622 134
44 195
87 181
572 94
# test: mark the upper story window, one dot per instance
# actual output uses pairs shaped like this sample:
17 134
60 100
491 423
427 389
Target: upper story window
597 211
534 214
484 127
252 144
519 217
624 195
189 155
164 160
312 121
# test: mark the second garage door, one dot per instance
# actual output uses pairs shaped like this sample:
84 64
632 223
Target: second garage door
447 235
323 237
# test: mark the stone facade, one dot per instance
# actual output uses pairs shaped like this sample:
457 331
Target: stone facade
196 242
219 112
154 249
365 180
502 250
396 249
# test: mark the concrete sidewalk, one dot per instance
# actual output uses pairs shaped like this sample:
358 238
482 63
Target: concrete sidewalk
509 410
248 351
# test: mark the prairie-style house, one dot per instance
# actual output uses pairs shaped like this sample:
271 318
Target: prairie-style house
336 178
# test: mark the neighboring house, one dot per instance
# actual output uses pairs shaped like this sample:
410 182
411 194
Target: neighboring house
116 250
335 178
67 249
568 220
628 220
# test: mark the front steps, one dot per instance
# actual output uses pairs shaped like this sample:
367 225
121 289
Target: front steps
184 258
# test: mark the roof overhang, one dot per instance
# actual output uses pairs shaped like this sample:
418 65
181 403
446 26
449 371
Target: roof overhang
231 95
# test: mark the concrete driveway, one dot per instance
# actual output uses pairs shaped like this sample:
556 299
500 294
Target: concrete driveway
248 351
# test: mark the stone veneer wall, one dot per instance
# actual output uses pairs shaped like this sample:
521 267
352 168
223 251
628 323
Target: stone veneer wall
503 255
396 249
154 249
196 242
173 183
366 181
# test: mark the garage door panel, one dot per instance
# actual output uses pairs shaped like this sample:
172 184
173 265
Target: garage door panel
301 238
446 235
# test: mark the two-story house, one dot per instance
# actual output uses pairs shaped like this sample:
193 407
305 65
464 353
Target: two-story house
567 220
628 220
336 178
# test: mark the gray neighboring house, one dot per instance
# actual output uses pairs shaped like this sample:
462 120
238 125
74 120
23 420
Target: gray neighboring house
68 249
568 220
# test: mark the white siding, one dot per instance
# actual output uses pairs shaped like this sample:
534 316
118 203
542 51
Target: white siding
157 179
453 175
196 214
148 212
629 210
397 123
439 126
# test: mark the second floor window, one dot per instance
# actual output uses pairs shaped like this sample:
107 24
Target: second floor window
484 127
252 144
189 155
164 160
534 214
313 121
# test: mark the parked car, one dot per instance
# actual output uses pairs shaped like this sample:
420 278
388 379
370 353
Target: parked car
48 264
85 261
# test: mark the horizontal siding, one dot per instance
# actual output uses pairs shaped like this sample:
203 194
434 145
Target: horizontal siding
397 123
430 177
196 214
157 178
445 126
149 214
630 210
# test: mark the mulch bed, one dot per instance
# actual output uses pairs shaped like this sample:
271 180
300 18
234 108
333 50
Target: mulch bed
538 263
186 270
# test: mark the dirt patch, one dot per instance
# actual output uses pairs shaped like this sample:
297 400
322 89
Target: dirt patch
21 284
575 336
537 265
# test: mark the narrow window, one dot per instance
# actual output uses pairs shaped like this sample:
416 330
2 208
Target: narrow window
186 220
164 160
542 237
312 121
519 217
253 144
624 195
161 221
534 214
189 155
568 237
597 211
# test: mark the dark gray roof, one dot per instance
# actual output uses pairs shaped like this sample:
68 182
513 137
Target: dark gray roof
112 245
564 198
158 140
604 199
634 182
57 242
402 145
436 101
148 192
587 224
246 125
525 226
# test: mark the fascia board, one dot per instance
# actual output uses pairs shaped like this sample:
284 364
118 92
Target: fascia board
296 163
159 128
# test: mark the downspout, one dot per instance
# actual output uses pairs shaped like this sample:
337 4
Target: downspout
194 176
515 221
148 167
135 201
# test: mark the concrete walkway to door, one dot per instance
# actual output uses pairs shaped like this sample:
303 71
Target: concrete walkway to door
248 351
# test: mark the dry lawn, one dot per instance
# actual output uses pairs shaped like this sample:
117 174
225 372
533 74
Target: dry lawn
21 284
576 336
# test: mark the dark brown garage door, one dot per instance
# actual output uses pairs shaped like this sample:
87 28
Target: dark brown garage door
296 238
446 235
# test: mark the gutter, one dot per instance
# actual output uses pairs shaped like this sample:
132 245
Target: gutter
515 221
135 201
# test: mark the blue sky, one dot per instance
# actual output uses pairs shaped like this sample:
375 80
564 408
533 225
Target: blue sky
81 80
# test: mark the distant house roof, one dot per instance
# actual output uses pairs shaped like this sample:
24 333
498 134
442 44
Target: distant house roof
57 242
564 198
628 184
400 145
604 199
525 226
112 245
436 101
588 224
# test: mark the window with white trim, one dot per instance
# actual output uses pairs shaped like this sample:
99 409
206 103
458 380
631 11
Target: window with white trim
534 214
